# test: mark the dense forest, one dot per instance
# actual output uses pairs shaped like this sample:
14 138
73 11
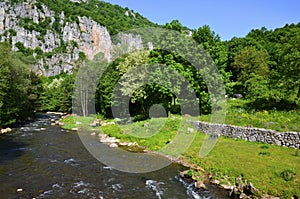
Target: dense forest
19 87
263 67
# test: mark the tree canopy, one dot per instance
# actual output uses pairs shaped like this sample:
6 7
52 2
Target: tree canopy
19 88
268 62
263 66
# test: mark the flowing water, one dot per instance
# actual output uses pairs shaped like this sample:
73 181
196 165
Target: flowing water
53 163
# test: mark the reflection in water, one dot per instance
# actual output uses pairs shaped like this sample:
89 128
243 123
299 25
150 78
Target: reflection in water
53 163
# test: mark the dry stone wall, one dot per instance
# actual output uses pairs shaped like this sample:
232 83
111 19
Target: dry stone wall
288 139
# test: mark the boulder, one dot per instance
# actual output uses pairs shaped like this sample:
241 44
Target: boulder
59 123
113 145
6 130
243 196
200 185
249 189
190 130
132 144
227 187
95 123
214 181
123 144
3 131
102 136
147 124
109 140
184 174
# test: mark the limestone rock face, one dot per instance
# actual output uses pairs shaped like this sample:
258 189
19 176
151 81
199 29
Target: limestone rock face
21 24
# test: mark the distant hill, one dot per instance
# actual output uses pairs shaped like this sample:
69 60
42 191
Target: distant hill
60 32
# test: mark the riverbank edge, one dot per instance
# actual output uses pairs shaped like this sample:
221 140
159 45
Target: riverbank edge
10 127
242 189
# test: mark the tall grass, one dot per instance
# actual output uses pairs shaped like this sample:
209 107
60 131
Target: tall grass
238 115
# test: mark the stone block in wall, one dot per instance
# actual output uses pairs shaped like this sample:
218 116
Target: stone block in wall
288 139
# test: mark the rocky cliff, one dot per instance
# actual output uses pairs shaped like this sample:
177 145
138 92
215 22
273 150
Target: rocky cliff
56 41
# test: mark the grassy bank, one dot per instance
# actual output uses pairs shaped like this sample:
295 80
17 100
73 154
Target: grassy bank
272 169
237 114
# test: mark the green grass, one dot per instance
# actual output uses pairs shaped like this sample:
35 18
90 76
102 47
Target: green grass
259 164
282 121
155 137
76 122
272 169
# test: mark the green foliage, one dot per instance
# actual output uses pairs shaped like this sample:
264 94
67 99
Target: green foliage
23 49
40 27
213 45
38 51
251 67
265 67
264 147
138 118
177 63
111 16
234 46
190 173
231 158
86 85
105 89
12 2
228 159
12 32
250 61
19 88
57 93
288 174
82 56
174 25
239 114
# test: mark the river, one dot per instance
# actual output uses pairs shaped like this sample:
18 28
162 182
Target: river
53 163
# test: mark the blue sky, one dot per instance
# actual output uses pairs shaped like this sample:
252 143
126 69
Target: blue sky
227 18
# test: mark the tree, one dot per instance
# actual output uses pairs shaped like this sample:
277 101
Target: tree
289 68
66 92
213 45
85 87
174 25
249 62
281 86
18 87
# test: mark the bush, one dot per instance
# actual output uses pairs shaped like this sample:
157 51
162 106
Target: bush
264 147
288 174
265 153
140 118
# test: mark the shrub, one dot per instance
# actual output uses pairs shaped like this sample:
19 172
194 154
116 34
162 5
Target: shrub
264 147
265 153
288 174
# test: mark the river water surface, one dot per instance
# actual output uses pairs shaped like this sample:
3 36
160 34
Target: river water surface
53 163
